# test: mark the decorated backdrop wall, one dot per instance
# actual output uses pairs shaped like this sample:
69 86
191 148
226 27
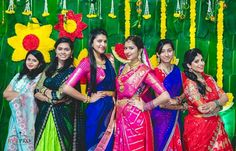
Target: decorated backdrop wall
207 24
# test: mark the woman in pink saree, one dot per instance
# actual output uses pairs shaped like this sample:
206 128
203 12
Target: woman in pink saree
133 124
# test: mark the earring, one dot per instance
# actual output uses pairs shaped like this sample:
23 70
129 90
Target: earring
158 60
139 57
190 70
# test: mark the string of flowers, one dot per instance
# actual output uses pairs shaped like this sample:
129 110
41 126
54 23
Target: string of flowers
220 30
163 19
127 18
64 9
192 29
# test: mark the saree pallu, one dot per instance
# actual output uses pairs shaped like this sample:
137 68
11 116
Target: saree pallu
166 123
98 113
24 110
205 134
133 129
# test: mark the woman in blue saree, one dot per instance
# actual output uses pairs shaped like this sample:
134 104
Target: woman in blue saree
166 118
99 71
23 107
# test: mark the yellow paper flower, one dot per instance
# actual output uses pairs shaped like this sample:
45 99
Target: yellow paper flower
27 12
147 16
92 15
229 103
10 11
64 11
153 61
45 14
112 15
30 37
83 53
177 15
163 19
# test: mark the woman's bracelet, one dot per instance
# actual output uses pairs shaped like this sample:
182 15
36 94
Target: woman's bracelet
88 99
178 100
149 106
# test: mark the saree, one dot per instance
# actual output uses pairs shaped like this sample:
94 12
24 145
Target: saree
97 114
24 110
54 122
166 122
133 127
203 132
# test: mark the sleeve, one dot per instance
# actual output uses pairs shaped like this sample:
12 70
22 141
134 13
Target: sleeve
218 89
39 87
79 72
14 80
153 82
192 94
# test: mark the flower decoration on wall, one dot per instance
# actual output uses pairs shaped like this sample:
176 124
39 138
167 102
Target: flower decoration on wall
31 37
10 9
118 52
70 25
146 14
112 13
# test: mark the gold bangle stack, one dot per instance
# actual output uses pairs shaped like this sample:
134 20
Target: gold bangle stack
88 99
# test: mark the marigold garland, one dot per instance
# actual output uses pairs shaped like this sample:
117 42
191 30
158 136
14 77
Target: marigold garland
220 30
163 19
192 29
127 18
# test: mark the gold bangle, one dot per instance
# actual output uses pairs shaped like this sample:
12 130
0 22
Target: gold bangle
88 99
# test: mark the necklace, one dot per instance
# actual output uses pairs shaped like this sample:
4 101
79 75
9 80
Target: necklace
165 70
101 64
134 65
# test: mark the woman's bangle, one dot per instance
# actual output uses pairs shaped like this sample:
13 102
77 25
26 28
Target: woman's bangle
178 99
88 99
149 106
217 103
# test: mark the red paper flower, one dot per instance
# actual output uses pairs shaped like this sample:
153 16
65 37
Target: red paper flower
70 25
118 52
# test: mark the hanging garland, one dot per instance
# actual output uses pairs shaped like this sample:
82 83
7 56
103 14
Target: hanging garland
112 12
163 19
146 14
27 11
31 37
220 28
192 23
127 18
45 11
10 9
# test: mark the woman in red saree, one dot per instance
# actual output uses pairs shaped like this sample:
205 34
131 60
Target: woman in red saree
203 128
133 126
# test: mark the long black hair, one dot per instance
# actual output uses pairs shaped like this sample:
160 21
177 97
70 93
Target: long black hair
53 66
93 65
161 44
189 56
31 74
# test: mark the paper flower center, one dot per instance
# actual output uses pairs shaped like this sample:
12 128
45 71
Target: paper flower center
70 26
31 42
